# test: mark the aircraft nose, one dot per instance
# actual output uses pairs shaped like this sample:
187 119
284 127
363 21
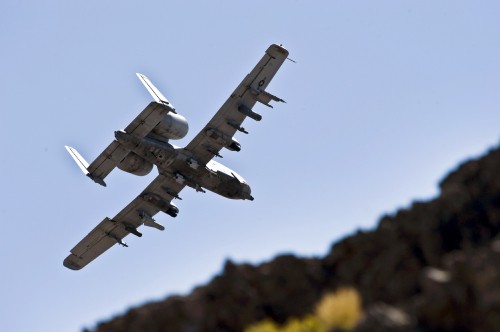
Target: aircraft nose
246 192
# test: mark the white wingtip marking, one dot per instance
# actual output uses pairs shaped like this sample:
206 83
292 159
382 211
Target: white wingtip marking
153 91
78 159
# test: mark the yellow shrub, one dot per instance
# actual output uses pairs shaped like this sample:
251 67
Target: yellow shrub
341 309
307 324
263 326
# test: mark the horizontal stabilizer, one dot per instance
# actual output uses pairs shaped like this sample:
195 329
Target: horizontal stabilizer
83 164
155 93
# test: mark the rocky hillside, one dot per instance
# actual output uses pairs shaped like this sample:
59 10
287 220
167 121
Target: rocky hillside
434 266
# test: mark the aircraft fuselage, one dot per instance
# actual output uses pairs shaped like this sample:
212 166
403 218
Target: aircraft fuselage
179 163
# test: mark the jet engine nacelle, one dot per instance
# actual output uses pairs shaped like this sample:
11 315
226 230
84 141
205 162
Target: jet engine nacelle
173 126
136 165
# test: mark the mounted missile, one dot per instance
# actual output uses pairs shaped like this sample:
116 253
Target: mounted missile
236 126
213 151
119 241
161 204
149 221
171 193
222 139
199 189
265 97
181 179
132 230
243 109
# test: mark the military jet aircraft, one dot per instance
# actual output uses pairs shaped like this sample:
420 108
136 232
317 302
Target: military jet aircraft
145 142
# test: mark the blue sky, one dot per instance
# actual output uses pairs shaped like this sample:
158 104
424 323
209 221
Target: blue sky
386 97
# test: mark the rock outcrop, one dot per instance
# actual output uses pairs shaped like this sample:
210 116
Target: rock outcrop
434 266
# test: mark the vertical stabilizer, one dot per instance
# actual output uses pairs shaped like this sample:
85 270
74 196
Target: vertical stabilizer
157 95
83 164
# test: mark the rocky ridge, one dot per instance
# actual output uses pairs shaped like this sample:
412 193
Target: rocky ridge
434 266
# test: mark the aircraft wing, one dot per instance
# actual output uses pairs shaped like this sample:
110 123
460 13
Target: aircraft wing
156 197
220 129
141 126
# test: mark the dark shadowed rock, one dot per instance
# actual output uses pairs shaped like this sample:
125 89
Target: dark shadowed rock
466 295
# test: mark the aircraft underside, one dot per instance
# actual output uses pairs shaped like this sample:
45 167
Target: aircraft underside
177 163
145 143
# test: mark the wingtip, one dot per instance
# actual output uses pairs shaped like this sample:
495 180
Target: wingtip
71 264
277 48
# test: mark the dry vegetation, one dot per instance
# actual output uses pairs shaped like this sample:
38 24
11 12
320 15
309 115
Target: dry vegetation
340 310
